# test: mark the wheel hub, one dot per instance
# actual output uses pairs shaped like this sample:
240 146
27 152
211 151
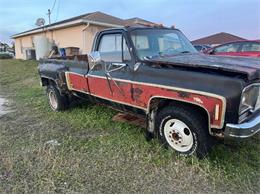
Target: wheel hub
175 136
178 135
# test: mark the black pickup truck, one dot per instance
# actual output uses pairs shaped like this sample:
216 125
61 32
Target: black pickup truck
186 97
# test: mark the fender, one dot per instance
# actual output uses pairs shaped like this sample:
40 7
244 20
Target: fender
178 100
213 104
47 78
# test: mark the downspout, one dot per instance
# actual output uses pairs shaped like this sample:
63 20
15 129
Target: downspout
84 37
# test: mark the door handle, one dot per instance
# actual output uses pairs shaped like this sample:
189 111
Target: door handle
119 66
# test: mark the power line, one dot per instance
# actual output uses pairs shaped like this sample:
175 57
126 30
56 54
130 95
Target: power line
58 10
50 11
53 6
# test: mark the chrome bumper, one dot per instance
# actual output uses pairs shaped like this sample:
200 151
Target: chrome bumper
243 130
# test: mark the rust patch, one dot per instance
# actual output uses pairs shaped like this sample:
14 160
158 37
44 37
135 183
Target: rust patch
183 94
165 89
137 92
85 89
121 84
121 117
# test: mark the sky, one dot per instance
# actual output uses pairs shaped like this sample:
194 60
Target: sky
196 18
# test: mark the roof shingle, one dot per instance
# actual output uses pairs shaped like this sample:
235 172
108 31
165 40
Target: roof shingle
219 38
136 21
104 18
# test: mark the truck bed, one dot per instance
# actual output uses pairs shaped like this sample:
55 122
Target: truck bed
53 70
75 57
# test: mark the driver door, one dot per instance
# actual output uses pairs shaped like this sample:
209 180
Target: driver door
109 80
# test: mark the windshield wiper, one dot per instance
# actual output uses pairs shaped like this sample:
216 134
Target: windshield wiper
151 57
161 54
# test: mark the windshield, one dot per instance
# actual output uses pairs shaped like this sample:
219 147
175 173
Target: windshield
152 43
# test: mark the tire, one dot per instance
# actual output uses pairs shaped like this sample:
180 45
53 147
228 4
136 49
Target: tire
56 101
182 129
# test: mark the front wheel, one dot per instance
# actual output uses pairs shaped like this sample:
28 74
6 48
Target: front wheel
184 131
57 102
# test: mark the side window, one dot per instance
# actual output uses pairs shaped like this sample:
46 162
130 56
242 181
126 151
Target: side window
251 47
221 48
198 47
255 47
113 48
110 48
228 48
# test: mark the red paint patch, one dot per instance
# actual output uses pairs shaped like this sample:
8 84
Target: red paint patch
78 82
142 94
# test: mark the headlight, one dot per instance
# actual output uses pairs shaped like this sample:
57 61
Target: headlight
250 100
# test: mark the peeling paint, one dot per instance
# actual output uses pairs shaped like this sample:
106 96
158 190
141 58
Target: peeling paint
137 92
183 94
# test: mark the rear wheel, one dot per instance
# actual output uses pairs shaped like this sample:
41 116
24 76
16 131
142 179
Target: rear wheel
183 130
57 101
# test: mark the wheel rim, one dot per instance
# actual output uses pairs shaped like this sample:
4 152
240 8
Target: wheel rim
53 100
178 135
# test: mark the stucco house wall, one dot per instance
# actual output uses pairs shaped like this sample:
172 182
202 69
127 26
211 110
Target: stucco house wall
78 31
80 36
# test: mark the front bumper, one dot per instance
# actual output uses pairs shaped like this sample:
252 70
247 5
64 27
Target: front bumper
243 130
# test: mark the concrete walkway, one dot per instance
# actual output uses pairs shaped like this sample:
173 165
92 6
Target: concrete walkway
3 106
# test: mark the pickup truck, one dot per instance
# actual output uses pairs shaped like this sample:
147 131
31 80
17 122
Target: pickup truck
186 98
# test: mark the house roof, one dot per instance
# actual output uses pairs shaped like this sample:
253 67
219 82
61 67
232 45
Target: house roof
136 21
105 18
98 18
219 38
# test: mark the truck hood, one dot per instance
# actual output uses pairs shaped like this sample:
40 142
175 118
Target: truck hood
243 65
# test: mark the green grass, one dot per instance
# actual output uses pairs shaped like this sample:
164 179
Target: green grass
96 154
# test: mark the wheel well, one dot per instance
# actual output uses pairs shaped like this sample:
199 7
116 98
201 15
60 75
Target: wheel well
47 81
159 103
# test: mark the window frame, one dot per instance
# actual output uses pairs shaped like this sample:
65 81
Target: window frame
134 50
123 37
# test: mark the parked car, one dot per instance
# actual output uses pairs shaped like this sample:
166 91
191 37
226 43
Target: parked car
6 55
240 48
186 97
202 48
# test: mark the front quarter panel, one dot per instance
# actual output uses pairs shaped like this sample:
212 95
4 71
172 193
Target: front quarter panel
217 94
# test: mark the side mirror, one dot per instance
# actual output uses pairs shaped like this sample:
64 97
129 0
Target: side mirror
136 66
94 58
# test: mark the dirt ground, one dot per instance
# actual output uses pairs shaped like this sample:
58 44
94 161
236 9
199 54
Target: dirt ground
83 150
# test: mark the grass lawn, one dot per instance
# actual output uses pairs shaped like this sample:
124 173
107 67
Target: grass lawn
93 154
